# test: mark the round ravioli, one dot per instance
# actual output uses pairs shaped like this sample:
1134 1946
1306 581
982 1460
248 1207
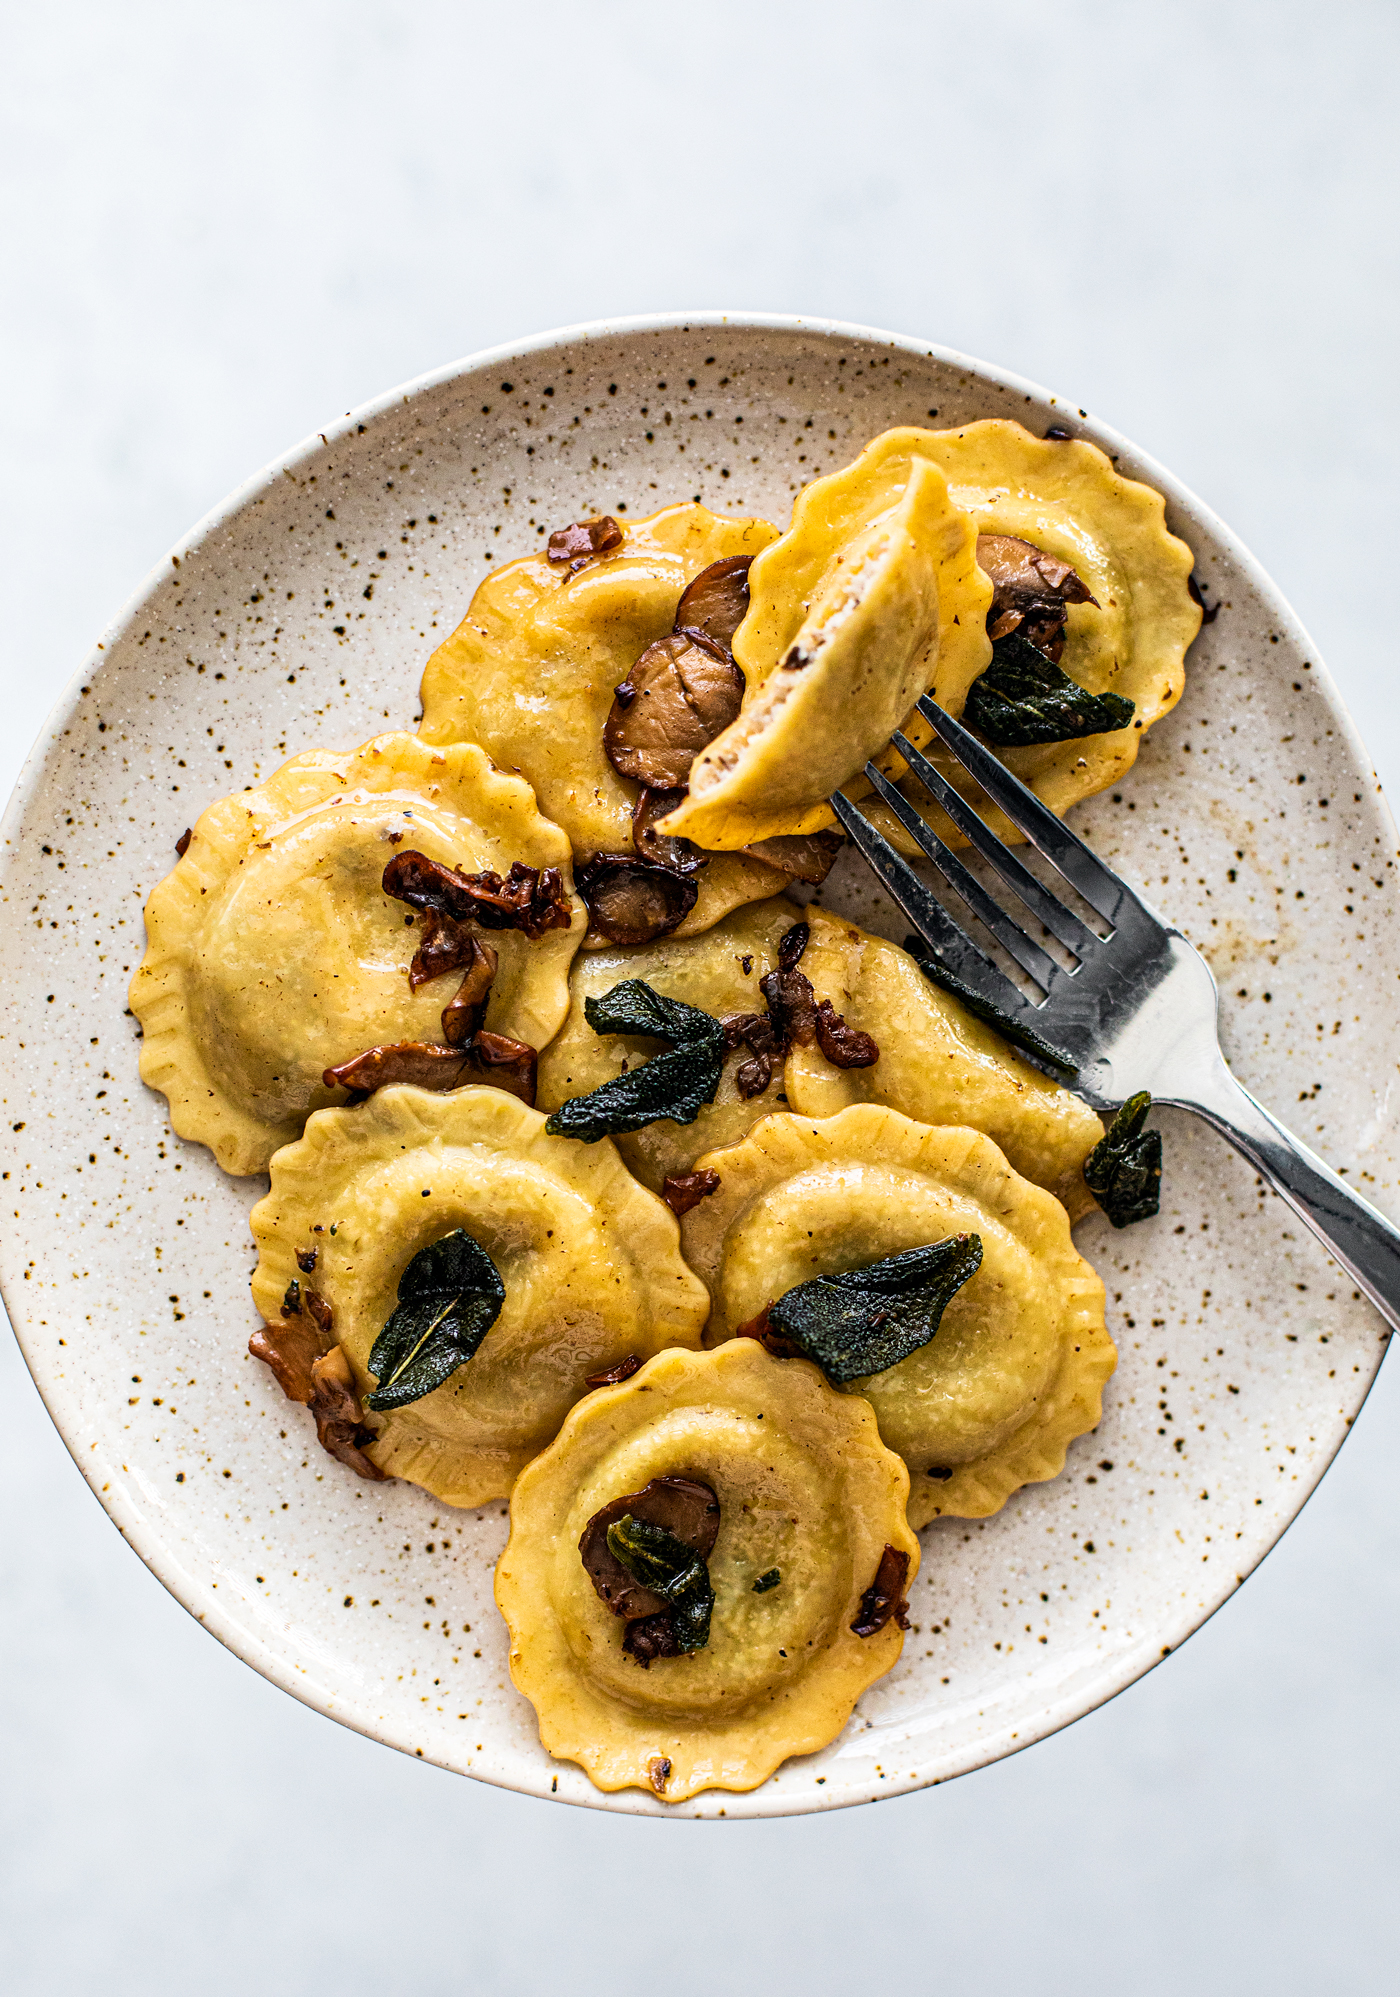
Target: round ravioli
937 1063
1065 498
531 671
872 598
1018 1364
589 1261
810 1503
273 952
719 972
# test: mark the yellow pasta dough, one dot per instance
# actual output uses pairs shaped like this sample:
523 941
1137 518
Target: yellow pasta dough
804 1486
589 1260
719 972
1018 1365
273 952
1066 498
937 1063
530 672
871 598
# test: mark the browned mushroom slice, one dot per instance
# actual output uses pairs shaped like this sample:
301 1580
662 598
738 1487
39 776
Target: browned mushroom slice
507 1064
716 603
340 1420
290 1349
753 1030
447 946
1030 591
418 1062
684 1190
885 1595
806 857
526 898
614 1376
687 1509
465 1010
632 901
681 693
583 539
678 854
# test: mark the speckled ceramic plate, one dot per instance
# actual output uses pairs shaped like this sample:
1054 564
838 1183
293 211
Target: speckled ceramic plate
300 614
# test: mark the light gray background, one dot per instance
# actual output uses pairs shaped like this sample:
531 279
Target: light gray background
225 224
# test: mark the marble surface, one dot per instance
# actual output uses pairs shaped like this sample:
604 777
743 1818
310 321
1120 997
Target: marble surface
220 250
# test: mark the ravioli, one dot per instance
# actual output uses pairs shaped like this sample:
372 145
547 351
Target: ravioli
937 1063
1017 1368
530 672
805 1487
588 1258
273 952
871 598
1065 498
719 972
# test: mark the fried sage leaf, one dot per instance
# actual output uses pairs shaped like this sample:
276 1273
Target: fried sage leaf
1025 698
450 1295
869 1319
669 1569
1124 1171
676 1084
937 973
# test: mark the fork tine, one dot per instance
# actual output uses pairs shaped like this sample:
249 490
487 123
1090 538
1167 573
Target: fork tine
928 914
1012 939
1059 920
1070 857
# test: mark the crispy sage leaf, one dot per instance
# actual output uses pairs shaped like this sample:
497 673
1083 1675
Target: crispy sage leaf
869 1319
1124 1170
937 973
1024 698
676 1084
665 1565
450 1295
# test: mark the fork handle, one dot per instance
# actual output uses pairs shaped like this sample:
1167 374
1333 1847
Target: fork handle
1361 1239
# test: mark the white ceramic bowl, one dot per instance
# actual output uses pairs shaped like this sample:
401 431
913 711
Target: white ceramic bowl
300 614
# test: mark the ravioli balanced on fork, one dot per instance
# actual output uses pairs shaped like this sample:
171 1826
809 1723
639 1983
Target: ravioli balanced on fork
612 1175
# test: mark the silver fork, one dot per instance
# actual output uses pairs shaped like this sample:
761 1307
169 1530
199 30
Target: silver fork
1138 1010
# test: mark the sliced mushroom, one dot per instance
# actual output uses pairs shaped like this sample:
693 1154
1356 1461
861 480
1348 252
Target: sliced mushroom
753 1030
684 1190
290 1348
447 946
527 898
632 901
683 691
580 541
885 1595
613 1376
418 1062
1030 591
686 1508
844 1046
717 602
466 1009
340 1420
678 854
805 856
507 1064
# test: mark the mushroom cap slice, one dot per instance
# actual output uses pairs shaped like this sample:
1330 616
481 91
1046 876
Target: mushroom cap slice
872 597
530 674
631 900
804 1485
1019 1362
589 1259
717 602
682 692
686 1509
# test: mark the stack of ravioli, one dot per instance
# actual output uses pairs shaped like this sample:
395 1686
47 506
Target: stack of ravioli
712 1535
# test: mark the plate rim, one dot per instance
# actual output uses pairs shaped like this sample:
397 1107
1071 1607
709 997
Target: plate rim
118 1501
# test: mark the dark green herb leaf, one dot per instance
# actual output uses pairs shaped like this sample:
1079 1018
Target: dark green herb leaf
767 1581
676 1084
937 973
1124 1171
450 1295
868 1319
1024 698
663 1563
